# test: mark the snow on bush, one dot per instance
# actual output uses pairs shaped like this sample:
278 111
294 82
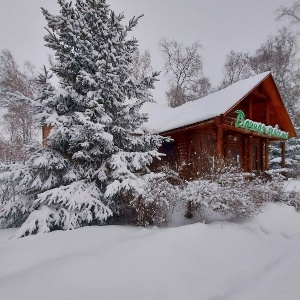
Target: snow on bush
230 192
156 204
223 191
291 198
291 194
267 187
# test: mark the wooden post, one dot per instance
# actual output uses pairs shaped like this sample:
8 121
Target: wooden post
220 143
266 154
245 153
249 154
261 154
267 162
283 154
220 146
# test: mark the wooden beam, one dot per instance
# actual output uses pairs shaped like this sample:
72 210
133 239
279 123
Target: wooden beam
266 154
249 154
220 142
199 125
283 154
262 166
245 152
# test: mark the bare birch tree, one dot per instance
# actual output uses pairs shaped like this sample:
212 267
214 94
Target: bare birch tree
184 67
141 64
16 87
236 68
291 13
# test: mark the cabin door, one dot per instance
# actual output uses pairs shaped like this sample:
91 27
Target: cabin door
256 155
234 155
234 150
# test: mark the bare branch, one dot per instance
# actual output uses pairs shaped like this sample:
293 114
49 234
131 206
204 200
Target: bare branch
291 13
184 67
17 90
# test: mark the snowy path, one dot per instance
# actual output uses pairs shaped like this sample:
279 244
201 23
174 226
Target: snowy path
258 259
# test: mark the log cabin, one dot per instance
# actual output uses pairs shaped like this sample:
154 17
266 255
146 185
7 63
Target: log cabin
234 125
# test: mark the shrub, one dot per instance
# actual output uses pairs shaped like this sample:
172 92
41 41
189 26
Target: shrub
155 205
268 187
225 190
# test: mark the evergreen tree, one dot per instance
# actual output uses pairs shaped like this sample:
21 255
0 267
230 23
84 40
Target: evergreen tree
292 153
93 163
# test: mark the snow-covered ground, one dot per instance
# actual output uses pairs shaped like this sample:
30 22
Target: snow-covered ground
257 259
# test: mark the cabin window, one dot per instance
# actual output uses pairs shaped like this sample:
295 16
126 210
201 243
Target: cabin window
170 149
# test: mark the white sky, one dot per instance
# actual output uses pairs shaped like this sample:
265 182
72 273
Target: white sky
219 25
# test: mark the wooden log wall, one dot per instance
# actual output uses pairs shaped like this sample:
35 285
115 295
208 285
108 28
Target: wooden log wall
195 151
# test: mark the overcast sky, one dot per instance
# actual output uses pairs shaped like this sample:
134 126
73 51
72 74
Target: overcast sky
219 25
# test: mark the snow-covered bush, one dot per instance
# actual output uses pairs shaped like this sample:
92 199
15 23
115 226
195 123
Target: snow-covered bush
272 187
93 159
224 191
267 187
291 198
155 206
230 192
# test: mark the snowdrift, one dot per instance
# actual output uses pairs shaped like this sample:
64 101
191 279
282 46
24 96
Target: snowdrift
257 259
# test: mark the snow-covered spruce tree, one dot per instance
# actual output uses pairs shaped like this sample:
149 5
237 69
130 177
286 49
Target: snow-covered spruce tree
93 163
292 155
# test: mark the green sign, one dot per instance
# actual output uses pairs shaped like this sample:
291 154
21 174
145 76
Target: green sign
247 124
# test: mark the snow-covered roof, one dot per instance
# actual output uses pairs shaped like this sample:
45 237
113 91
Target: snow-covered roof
163 118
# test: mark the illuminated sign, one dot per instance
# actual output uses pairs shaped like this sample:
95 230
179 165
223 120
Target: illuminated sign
247 124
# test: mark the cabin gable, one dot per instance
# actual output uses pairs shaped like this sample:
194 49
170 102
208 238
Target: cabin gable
198 147
265 105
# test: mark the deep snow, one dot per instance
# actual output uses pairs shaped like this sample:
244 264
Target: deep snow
256 259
